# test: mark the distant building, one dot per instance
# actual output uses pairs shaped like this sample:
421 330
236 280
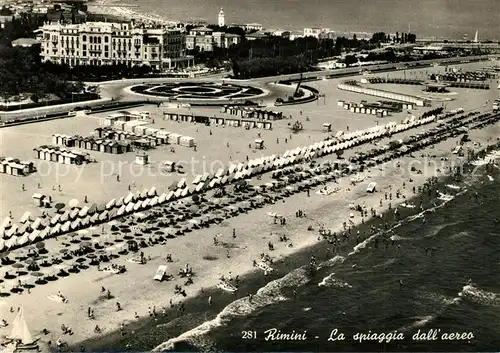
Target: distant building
296 34
4 19
428 49
25 42
316 32
279 33
206 39
253 27
221 18
108 43
259 35
200 37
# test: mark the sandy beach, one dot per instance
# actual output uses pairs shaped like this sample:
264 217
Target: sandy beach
136 291
254 230
115 9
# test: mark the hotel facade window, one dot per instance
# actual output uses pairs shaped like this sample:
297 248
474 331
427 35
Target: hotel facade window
107 43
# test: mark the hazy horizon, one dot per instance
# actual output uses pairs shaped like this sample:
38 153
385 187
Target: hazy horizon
426 18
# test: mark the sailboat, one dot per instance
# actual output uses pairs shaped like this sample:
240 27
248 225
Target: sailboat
21 335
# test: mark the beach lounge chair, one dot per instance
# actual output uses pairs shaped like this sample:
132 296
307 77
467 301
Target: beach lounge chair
160 273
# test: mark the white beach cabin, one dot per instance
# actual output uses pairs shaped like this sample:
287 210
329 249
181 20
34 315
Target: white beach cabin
371 187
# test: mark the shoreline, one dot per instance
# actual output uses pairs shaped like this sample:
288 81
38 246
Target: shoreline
147 292
251 282
254 229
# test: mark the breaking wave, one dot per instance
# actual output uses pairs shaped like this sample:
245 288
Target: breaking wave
270 294
332 281
480 296
468 291
274 292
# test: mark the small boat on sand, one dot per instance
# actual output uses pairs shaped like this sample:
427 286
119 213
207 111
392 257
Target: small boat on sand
20 336
407 205
226 286
264 267
135 260
479 162
445 197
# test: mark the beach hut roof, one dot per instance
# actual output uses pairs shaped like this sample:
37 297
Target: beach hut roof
36 223
22 229
7 222
101 207
10 243
56 229
85 221
84 211
55 219
111 204
128 198
119 203
121 210
181 183
64 217
162 198
152 192
34 235
138 205
130 207
112 213
65 227
94 218
197 179
144 194
153 201
74 213
75 224
103 215
44 232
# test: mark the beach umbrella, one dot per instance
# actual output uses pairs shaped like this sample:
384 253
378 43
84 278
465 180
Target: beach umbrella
59 206
63 251
73 203
40 245
18 265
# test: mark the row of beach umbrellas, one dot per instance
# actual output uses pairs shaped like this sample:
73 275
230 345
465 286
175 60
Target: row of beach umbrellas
75 218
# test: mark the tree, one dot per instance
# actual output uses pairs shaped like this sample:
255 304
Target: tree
4 11
350 60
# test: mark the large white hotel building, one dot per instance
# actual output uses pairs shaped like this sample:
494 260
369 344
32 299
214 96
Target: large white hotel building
106 43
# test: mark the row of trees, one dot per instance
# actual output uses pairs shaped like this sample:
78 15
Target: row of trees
381 37
20 27
23 74
261 67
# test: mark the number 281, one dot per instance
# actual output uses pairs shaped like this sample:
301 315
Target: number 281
248 335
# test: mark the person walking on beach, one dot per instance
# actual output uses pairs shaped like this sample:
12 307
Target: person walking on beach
210 301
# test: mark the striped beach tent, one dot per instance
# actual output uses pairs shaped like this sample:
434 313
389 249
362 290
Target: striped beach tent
162 198
94 218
